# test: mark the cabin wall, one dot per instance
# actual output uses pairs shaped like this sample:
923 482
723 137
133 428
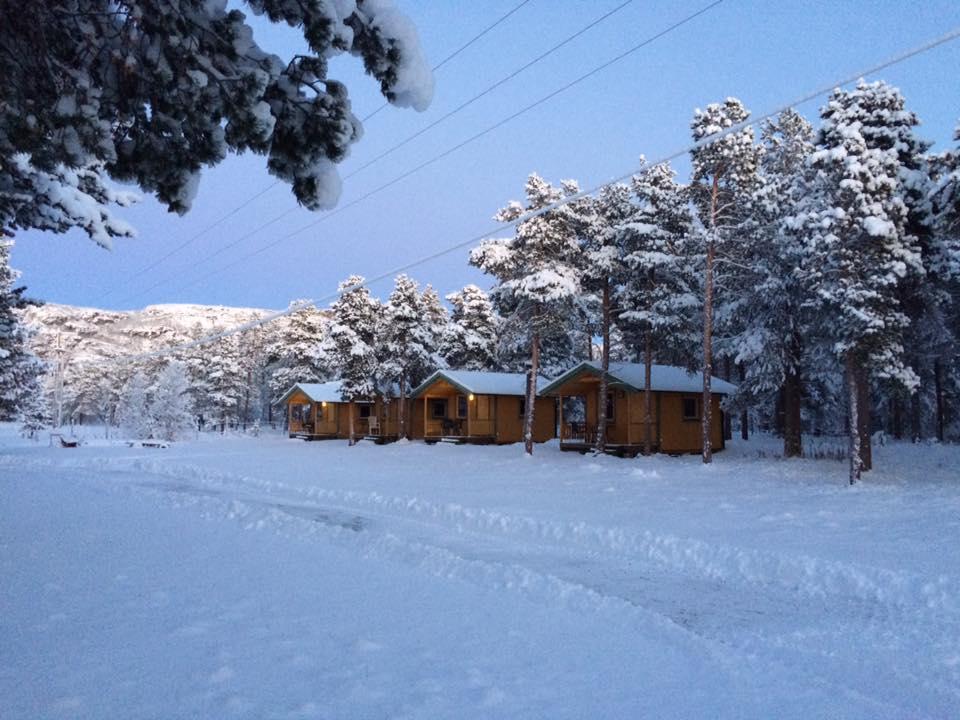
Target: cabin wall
510 420
682 436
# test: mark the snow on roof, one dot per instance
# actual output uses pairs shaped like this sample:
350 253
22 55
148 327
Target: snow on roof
663 378
317 392
480 382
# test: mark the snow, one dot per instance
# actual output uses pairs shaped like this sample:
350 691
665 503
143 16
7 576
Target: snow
481 382
664 378
242 577
317 392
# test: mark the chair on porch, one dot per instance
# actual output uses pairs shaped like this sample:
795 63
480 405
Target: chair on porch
373 425
451 427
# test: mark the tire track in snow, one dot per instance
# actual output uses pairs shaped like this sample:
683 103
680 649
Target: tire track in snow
551 576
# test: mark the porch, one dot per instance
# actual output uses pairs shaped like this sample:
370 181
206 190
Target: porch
450 415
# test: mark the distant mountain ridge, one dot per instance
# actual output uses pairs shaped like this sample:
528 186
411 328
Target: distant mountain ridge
91 333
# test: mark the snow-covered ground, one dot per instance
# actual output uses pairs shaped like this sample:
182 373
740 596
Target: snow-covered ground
272 578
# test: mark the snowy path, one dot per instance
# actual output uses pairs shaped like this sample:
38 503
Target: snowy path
691 626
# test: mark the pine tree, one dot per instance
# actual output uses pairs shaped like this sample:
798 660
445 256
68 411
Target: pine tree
602 270
770 321
18 366
134 413
350 346
150 92
658 297
724 172
859 251
470 339
294 353
170 409
406 344
537 273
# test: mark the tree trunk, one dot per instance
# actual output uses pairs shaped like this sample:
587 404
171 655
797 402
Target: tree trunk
531 393
353 437
648 392
897 420
853 428
864 419
706 414
916 420
601 442
792 399
402 410
744 415
938 389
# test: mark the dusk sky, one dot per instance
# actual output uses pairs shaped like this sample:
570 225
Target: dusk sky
764 53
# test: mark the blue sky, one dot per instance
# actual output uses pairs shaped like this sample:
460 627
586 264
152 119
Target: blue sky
764 53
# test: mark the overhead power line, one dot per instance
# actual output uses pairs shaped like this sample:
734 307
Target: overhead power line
236 241
449 151
459 50
189 241
950 36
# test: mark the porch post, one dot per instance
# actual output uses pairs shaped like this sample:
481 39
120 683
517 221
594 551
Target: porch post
469 403
560 429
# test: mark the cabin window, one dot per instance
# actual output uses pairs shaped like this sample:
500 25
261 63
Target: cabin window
461 406
366 410
691 408
300 412
523 406
610 406
438 408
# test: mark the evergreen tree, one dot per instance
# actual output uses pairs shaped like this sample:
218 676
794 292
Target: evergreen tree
134 412
150 92
537 273
859 251
724 173
19 368
350 346
602 270
294 353
658 298
170 409
470 340
771 320
406 343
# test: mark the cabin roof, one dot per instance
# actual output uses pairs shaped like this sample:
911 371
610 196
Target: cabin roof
663 378
479 382
317 392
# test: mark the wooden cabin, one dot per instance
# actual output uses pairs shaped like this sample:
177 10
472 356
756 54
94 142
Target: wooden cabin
676 411
317 411
477 407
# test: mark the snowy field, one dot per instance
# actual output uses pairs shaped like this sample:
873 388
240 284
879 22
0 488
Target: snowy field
272 578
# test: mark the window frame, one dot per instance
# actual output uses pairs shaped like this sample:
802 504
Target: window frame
365 406
698 414
465 402
435 403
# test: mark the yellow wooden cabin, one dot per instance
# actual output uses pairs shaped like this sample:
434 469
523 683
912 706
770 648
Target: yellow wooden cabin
676 407
477 407
317 411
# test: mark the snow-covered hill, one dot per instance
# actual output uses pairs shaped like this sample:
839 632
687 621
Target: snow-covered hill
91 333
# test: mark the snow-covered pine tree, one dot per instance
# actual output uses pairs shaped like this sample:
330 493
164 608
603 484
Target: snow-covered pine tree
294 352
170 408
150 92
405 344
538 275
470 340
19 368
658 299
134 412
436 318
350 345
859 251
602 269
769 322
34 411
724 173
